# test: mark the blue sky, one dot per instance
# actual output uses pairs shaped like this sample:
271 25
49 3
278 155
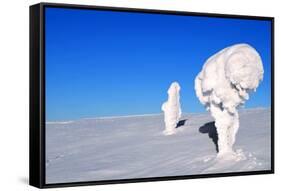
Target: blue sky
104 63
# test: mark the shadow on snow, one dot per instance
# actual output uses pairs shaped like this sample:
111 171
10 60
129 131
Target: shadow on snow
181 123
210 128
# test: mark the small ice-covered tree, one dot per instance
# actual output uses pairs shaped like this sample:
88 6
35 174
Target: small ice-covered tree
172 109
224 84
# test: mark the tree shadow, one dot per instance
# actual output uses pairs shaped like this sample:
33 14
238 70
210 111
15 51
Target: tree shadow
210 128
181 123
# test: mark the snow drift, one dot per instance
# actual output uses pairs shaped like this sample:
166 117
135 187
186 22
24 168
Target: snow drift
172 109
224 84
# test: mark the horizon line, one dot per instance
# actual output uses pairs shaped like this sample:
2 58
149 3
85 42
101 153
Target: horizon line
137 115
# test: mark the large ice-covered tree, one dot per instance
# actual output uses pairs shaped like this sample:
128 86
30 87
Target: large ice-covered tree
224 84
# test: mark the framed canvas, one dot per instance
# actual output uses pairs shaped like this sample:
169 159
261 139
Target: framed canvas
123 95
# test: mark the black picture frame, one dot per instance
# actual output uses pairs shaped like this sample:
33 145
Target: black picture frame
37 95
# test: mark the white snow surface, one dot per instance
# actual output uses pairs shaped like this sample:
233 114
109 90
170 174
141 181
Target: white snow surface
172 109
224 84
135 147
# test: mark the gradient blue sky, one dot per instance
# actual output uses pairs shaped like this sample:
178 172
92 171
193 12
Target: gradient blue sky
104 63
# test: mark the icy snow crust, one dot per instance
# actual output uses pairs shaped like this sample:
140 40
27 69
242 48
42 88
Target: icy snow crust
134 147
172 109
224 84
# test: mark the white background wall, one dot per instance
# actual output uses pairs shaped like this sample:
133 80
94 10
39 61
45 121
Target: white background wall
14 51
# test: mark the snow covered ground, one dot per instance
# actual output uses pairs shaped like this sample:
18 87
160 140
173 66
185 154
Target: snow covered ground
135 147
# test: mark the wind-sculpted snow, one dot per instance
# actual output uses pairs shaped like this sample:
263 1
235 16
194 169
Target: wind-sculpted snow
134 147
172 109
224 84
